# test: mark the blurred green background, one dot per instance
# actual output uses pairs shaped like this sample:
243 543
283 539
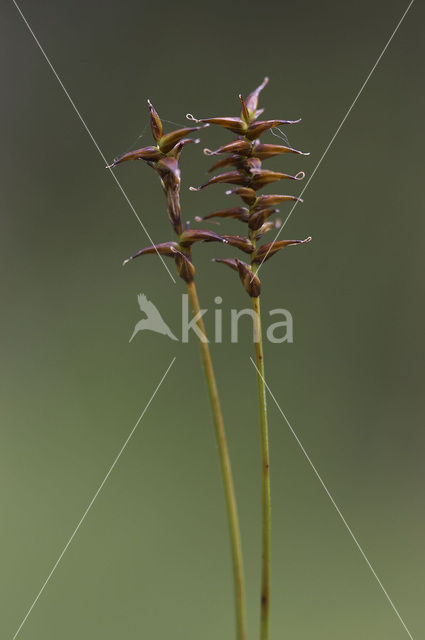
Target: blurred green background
152 558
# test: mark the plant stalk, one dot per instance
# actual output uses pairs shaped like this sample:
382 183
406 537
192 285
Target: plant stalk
265 475
226 472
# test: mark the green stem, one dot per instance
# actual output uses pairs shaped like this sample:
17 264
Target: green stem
265 475
226 471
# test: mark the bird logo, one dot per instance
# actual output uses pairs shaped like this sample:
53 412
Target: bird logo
153 320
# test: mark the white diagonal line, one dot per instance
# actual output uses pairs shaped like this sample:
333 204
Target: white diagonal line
53 569
338 129
347 526
130 204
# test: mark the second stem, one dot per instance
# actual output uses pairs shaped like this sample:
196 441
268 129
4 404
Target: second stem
226 471
265 475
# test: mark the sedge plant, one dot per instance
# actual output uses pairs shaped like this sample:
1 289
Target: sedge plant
244 155
164 156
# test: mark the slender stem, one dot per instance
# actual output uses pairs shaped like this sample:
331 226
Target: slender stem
265 475
226 471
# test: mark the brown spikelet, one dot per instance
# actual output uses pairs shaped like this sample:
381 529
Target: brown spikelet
237 125
156 124
266 200
146 153
252 99
163 248
245 114
250 281
240 213
237 146
248 195
256 129
189 236
268 250
167 142
264 151
225 162
231 177
246 154
257 218
185 268
242 243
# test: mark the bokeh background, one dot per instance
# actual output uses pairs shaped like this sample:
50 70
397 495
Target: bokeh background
152 559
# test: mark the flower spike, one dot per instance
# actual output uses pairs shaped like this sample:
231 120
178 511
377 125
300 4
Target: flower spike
246 154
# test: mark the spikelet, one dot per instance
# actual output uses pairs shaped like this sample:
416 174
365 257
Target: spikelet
246 154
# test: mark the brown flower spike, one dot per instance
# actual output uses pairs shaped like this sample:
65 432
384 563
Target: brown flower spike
245 154
164 158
